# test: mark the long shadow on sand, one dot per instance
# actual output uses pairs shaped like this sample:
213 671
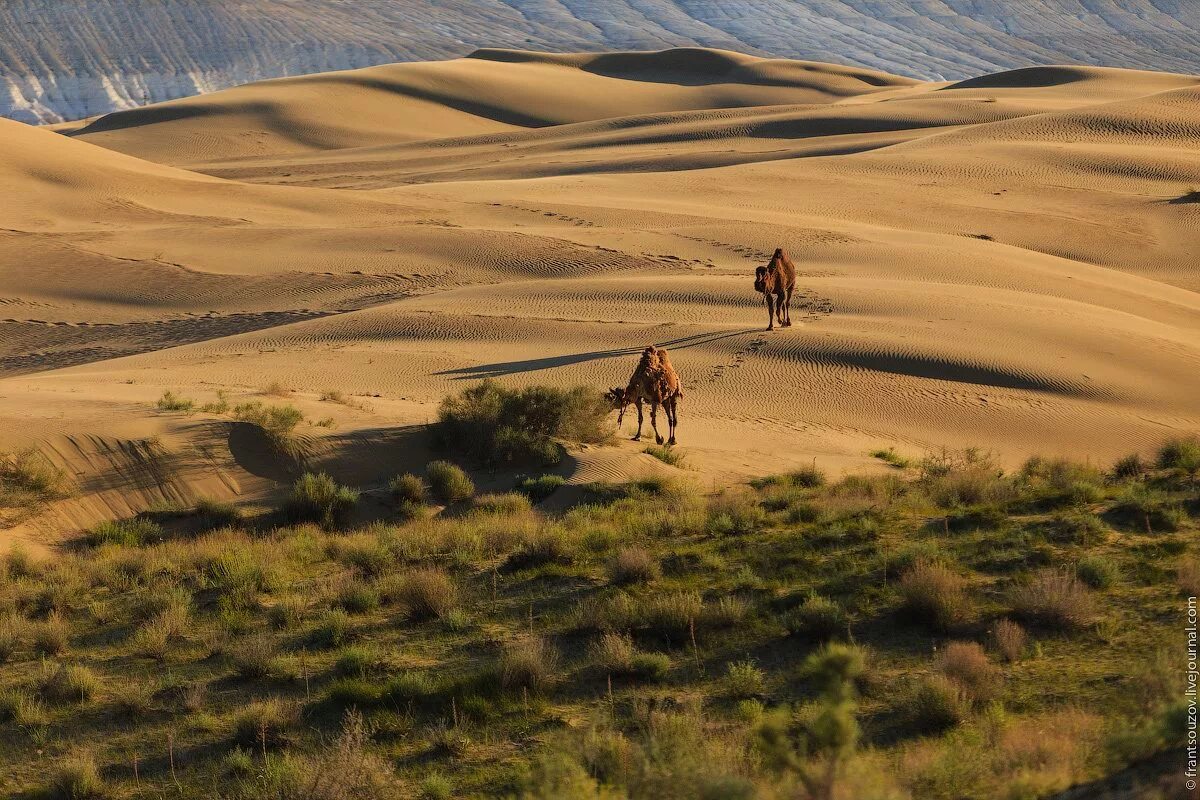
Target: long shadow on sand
502 368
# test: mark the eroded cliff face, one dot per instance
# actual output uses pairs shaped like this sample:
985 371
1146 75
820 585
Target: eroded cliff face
73 60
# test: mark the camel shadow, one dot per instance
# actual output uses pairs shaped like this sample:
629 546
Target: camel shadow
502 368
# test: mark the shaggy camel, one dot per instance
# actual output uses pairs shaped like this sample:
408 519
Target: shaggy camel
655 382
777 281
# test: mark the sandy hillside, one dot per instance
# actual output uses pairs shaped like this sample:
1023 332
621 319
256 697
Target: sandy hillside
1009 261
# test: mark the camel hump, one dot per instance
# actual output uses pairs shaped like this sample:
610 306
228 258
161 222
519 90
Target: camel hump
778 252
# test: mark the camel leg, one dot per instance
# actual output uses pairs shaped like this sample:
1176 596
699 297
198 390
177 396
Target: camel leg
638 435
672 418
654 421
770 311
779 309
787 309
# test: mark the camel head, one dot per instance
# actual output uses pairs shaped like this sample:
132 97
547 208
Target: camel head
620 400
764 279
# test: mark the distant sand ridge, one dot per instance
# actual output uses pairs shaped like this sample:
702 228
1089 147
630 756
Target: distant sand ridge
1009 261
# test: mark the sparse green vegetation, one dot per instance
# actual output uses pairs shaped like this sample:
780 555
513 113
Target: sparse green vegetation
795 638
316 497
494 425
28 480
173 402
668 455
891 457
277 423
539 488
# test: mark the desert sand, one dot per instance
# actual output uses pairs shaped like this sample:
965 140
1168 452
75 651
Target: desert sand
1009 261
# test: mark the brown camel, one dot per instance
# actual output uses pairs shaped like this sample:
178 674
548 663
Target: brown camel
655 382
777 281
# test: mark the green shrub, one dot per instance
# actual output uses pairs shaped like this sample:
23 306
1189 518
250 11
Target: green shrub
78 778
494 425
1148 510
1063 480
253 657
953 479
539 488
286 613
407 488
22 709
1078 526
358 597
667 455
435 786
448 482
744 680
356 661
1130 466
409 686
133 701
354 692
1181 455
891 457
277 423
1098 572
819 618
173 402
316 497
28 480
1054 598
126 532
509 504
809 477
735 513
935 595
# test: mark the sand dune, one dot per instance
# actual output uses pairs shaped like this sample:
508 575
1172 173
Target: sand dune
1008 261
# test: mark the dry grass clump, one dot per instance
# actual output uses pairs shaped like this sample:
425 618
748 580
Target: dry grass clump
1063 479
937 703
528 662
1188 577
548 545
316 497
135 532
743 680
1054 598
28 480
50 638
20 707
615 654
264 724
495 425
667 455
968 666
1010 640
13 631
133 700
173 402
448 482
735 512
1182 456
69 683
428 593
78 778
631 565
935 595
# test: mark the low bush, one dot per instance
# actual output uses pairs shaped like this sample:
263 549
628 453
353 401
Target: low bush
1188 577
631 565
1054 598
13 630
528 662
1129 467
495 425
448 482
546 546
215 514
409 686
819 618
358 597
935 595
1182 456
316 497
616 654
332 629
953 479
50 638
735 513
891 457
539 488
